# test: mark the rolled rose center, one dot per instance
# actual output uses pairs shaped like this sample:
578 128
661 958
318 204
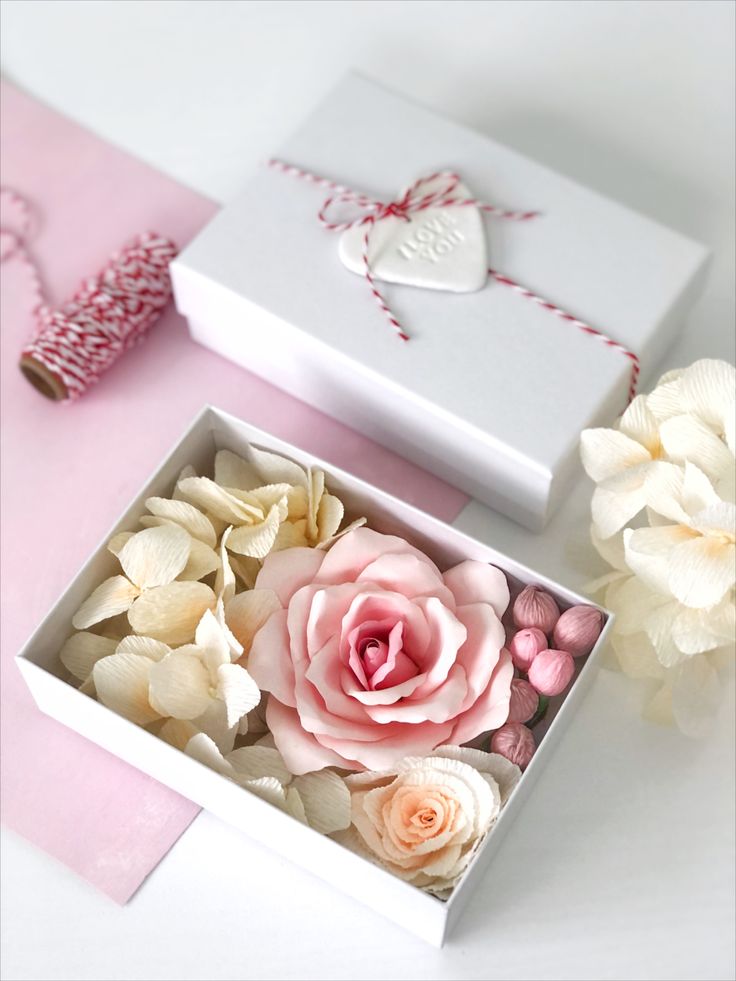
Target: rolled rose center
377 656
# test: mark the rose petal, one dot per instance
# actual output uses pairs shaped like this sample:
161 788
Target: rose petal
478 582
300 750
269 662
286 572
113 596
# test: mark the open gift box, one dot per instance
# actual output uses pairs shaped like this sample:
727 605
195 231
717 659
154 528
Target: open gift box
492 389
429 917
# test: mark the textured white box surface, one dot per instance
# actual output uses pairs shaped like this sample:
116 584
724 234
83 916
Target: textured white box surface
492 391
39 663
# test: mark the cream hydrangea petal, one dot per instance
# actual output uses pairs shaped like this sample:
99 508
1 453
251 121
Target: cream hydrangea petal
634 604
663 491
697 490
329 515
187 471
326 801
113 596
256 541
246 613
254 762
83 650
225 578
154 650
232 470
121 681
209 496
155 556
186 515
636 656
611 549
607 452
666 399
246 569
116 543
658 626
210 638
275 469
686 438
316 482
702 571
698 631
203 749
171 613
237 690
236 648
202 561
639 423
718 518
696 695
213 723
328 542
180 686
612 509
291 534
271 494
648 551
177 733
709 390
659 708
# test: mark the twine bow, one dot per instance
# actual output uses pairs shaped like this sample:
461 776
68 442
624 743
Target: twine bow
368 211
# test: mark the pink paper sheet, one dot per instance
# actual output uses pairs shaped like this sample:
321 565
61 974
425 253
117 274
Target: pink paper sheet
68 471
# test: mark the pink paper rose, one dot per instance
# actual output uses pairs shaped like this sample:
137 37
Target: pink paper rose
376 655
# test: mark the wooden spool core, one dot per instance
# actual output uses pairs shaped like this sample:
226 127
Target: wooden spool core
43 380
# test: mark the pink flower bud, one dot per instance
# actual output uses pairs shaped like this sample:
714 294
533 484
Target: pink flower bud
524 701
578 629
525 645
536 608
551 671
515 742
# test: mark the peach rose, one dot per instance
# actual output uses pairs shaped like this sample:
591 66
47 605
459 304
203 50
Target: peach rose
424 821
375 655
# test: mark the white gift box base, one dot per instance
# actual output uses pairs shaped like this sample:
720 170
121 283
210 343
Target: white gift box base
428 917
492 391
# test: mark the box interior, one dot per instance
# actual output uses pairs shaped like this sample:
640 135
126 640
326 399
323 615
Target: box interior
214 430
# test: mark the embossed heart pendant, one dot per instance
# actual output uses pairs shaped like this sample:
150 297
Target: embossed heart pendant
436 249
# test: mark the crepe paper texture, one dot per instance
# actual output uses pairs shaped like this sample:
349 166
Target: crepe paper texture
105 820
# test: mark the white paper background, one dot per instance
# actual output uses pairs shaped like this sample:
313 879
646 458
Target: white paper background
622 865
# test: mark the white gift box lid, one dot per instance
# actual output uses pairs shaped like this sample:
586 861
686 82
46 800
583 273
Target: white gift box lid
492 390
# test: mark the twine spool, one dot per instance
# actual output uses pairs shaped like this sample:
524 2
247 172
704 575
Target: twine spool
77 342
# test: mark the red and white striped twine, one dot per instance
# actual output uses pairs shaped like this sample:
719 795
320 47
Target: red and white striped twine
368 211
109 313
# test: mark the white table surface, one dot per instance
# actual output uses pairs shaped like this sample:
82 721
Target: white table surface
622 864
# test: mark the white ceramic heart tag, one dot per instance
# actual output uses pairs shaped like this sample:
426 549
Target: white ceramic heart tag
437 249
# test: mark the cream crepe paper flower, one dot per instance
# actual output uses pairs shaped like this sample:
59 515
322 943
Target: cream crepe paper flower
673 584
320 799
157 602
145 680
270 502
424 819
